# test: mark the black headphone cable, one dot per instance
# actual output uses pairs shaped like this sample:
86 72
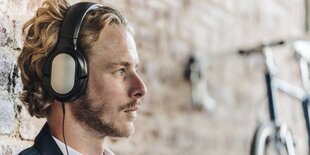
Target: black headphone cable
63 125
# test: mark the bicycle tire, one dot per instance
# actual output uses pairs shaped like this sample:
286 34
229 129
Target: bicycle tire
264 137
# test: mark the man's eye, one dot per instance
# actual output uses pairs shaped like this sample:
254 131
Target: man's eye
120 72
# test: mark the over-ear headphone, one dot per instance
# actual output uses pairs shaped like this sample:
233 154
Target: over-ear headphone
65 70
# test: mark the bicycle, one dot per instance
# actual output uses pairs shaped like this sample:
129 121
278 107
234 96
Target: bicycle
274 136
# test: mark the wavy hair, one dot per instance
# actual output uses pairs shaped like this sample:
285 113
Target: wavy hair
40 37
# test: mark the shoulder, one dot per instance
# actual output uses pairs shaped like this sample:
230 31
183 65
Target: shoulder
30 151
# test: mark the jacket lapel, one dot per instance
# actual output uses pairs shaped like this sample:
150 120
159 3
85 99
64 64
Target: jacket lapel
45 143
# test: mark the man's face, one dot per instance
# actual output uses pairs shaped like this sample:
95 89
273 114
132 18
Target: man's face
114 88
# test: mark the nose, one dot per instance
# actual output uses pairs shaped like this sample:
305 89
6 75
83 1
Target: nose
138 88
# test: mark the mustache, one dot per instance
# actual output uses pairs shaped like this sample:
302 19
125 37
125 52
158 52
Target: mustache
130 105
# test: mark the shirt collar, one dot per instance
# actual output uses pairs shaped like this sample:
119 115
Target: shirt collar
71 151
62 147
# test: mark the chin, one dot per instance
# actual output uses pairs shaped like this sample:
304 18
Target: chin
128 130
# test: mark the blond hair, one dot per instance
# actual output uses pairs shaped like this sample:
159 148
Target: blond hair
40 37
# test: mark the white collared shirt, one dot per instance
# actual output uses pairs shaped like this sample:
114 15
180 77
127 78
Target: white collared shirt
71 151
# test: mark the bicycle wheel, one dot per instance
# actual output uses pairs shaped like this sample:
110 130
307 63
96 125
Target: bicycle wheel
272 140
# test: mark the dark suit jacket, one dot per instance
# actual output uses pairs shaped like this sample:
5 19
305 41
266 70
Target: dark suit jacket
44 144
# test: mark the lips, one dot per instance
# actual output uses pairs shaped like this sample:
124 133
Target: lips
133 109
131 113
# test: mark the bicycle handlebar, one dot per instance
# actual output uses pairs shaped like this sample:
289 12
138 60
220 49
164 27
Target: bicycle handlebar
259 48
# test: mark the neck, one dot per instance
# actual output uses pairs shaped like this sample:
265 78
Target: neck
77 135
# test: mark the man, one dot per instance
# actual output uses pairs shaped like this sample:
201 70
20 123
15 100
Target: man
107 106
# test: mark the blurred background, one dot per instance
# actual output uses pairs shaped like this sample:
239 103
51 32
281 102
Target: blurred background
167 34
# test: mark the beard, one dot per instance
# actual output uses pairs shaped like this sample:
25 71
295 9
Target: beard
90 114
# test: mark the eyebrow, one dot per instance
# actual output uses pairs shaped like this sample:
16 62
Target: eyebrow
123 63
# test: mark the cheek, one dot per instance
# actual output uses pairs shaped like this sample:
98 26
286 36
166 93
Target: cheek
97 84
107 84
107 88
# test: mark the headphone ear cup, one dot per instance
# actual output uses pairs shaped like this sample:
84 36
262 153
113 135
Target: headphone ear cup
65 69
81 62
81 74
63 73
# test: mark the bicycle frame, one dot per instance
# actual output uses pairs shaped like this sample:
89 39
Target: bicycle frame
304 70
272 88
305 107
291 90
274 84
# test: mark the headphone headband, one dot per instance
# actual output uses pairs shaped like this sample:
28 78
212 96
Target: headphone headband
73 19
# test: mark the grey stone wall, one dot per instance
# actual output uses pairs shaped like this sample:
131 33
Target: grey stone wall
166 33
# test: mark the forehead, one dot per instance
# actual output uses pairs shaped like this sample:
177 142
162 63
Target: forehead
115 43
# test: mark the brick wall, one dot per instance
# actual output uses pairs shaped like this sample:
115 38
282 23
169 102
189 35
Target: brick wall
167 32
